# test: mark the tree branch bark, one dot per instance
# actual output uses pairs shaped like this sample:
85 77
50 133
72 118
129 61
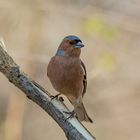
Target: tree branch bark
72 128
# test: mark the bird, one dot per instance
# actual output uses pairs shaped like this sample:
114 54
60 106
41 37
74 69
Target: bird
67 74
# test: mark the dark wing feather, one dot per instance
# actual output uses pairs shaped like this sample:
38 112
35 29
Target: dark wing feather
85 77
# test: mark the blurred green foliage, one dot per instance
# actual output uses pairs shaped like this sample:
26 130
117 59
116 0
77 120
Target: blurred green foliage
97 26
107 61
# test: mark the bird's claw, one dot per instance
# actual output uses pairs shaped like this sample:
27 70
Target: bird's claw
71 114
61 99
57 97
54 97
28 97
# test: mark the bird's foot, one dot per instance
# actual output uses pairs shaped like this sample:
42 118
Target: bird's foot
71 114
57 97
28 97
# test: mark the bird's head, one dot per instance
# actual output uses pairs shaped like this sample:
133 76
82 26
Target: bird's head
71 46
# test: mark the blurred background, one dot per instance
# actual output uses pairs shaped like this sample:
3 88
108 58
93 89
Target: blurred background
110 30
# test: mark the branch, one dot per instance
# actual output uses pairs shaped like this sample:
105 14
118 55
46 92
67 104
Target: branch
72 128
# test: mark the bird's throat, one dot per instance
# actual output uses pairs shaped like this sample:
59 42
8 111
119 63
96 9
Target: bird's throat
68 53
60 52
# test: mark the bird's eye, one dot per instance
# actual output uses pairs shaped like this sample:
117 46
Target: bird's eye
72 43
77 40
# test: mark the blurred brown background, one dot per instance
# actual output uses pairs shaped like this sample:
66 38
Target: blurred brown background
110 30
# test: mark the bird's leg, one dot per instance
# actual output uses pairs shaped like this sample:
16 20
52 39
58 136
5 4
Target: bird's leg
56 97
71 114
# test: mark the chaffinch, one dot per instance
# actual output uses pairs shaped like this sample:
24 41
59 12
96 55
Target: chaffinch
68 76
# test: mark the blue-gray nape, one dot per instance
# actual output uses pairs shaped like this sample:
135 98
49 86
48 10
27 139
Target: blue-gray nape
72 37
60 52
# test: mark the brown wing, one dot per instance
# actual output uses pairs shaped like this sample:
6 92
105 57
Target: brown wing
85 77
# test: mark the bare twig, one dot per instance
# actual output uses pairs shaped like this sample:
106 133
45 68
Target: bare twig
73 129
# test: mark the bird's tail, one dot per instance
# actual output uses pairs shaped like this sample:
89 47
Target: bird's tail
82 114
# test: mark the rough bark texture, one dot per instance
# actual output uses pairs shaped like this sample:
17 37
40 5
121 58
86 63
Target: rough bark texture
34 92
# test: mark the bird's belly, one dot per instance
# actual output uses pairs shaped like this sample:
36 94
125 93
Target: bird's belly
67 79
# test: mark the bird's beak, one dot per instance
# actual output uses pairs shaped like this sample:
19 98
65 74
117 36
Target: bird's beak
79 45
